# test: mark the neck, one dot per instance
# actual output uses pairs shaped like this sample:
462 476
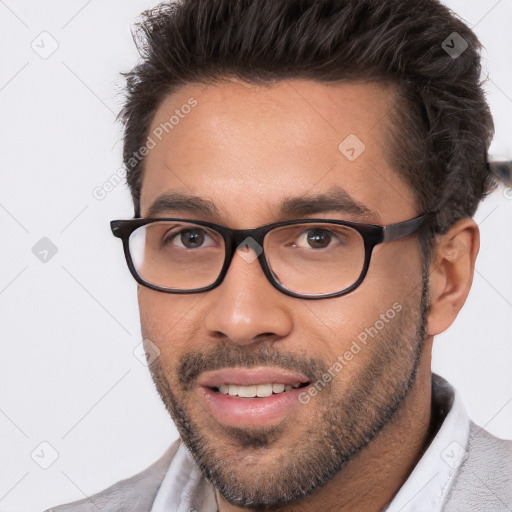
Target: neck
369 482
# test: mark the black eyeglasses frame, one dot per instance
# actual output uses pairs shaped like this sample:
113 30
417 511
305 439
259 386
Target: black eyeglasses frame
372 234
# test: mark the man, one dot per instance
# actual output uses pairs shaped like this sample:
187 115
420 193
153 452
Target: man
304 175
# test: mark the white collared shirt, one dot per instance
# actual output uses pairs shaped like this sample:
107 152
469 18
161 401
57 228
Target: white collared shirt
184 489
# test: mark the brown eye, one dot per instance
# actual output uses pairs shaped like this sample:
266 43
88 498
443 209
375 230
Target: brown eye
192 238
318 238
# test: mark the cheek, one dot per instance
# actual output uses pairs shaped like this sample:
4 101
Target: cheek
351 326
167 320
342 318
395 275
400 262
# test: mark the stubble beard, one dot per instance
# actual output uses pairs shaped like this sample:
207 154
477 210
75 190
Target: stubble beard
345 422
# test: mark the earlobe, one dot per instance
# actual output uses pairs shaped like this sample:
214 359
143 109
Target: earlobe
451 273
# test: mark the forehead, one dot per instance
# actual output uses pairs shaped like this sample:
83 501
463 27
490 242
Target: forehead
246 147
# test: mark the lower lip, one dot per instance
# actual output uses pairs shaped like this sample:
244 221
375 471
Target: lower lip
236 411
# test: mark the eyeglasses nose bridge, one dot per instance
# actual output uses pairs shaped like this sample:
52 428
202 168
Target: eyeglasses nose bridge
248 245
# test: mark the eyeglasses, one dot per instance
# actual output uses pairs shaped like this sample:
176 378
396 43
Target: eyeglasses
309 258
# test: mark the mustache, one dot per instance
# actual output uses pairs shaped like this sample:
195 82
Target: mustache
193 364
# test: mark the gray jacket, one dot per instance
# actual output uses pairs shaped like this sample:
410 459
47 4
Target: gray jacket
483 484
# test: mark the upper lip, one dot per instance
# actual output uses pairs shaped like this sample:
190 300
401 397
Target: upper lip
250 376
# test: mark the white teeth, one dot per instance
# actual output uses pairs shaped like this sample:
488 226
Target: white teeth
260 390
263 390
247 391
277 388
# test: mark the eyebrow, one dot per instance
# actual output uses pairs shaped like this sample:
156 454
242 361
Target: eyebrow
335 200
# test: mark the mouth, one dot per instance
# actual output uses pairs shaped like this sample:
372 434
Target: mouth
257 390
251 397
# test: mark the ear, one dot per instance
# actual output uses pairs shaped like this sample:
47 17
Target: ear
451 273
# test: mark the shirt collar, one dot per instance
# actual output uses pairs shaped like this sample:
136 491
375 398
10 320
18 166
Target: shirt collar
185 489
426 489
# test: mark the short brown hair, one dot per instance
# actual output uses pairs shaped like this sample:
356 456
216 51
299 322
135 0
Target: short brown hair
441 126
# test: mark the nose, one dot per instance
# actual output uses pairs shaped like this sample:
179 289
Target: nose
245 307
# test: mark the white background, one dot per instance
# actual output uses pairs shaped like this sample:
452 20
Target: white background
68 375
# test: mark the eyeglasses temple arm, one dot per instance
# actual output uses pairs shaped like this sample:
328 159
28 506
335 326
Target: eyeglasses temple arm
403 229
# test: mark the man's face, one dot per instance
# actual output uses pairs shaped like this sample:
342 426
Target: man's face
247 149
